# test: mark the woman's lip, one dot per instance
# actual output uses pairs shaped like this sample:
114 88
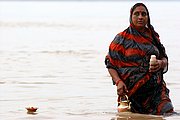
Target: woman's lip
140 22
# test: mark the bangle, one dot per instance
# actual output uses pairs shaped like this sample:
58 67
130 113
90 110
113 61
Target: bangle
117 82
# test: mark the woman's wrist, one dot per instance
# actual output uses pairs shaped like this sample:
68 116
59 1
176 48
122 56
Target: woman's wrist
117 81
163 63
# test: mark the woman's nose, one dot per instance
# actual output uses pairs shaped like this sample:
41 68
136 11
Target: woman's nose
140 16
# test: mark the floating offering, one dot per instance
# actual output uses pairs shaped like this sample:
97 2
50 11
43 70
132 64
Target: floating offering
31 109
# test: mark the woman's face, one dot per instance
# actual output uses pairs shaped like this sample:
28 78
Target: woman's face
139 17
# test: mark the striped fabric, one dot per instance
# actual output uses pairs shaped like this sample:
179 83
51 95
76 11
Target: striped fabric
129 54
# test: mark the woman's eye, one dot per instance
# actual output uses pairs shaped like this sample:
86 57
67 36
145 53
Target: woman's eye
136 13
144 13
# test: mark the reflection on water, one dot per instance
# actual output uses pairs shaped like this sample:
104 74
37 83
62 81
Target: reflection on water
134 116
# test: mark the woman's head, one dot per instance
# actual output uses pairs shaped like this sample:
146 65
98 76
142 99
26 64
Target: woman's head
139 16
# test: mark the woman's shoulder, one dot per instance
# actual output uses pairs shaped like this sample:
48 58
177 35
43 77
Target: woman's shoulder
119 37
128 31
154 32
125 31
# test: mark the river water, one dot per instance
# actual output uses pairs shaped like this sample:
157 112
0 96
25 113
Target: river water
52 57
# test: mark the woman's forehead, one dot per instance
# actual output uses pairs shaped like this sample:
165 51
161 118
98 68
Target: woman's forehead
140 9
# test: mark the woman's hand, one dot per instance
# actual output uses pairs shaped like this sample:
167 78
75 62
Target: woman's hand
121 88
157 65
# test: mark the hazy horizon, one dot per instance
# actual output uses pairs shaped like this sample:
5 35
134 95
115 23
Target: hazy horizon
89 0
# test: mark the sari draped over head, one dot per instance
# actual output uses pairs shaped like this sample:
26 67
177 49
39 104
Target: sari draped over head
129 54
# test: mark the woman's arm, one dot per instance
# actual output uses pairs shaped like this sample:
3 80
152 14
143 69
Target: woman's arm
121 87
114 74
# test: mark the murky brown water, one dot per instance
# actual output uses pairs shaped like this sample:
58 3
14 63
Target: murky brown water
52 57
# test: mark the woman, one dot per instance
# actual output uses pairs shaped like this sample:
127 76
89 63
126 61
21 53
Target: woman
128 63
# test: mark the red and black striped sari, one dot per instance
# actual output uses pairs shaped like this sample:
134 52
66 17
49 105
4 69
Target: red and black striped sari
129 54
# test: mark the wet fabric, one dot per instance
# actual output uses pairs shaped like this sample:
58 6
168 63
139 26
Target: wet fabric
129 54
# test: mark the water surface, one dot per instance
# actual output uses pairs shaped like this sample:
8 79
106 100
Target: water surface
52 57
